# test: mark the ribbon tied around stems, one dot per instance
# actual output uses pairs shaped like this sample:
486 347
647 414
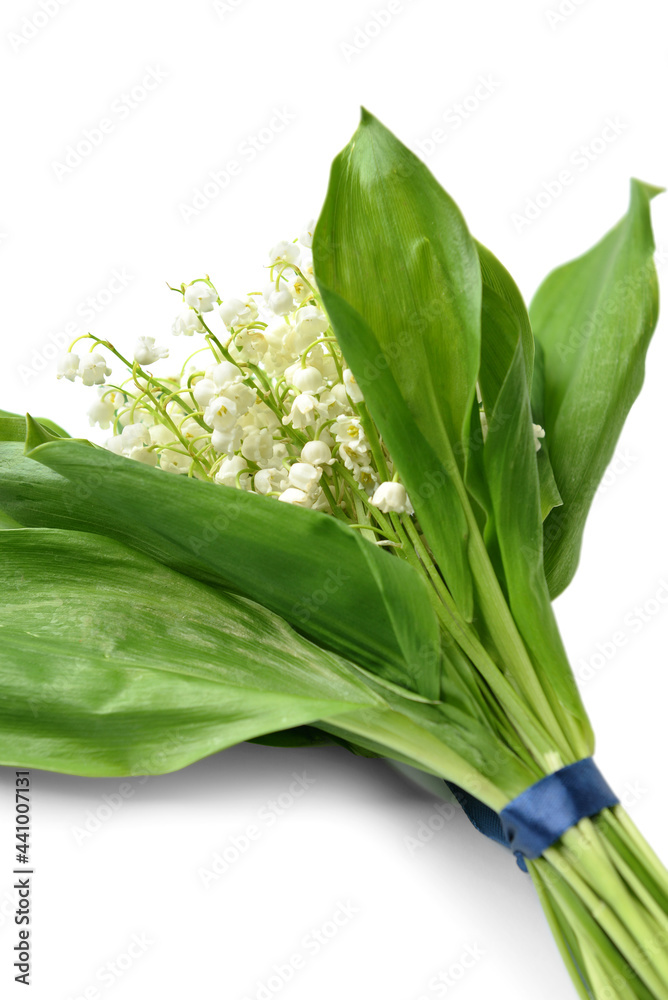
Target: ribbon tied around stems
537 818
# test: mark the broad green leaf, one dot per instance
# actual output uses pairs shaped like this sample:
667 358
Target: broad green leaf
594 318
334 586
503 302
400 278
513 533
37 497
512 474
114 664
496 279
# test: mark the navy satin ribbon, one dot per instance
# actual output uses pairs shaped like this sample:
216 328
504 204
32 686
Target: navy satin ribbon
537 818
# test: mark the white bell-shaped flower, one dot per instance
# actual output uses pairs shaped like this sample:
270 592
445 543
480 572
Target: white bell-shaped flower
295 496
147 352
352 388
299 289
303 412
94 368
258 445
306 379
270 481
306 235
144 455
220 414
135 436
312 321
238 312
204 391
225 373
392 498
275 334
201 296
68 366
284 252
280 301
348 430
101 411
304 476
226 441
175 461
187 323
233 471
316 453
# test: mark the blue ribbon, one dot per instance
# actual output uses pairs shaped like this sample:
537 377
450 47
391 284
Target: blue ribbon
537 818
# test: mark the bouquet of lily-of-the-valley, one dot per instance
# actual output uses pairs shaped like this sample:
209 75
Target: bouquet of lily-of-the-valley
342 518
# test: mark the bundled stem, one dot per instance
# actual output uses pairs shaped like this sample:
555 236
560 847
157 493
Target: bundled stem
606 895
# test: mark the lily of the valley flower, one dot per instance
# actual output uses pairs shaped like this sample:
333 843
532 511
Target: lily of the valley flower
187 323
304 476
238 312
68 366
200 296
94 369
352 388
269 407
279 300
392 498
316 453
147 352
284 252
102 410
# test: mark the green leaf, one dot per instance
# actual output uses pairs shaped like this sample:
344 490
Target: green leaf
7 522
334 586
594 318
400 278
513 478
114 664
502 298
497 283
513 533
13 427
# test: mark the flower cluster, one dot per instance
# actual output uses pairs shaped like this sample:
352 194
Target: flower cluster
265 403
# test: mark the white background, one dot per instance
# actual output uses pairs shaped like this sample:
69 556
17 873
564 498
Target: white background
551 83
